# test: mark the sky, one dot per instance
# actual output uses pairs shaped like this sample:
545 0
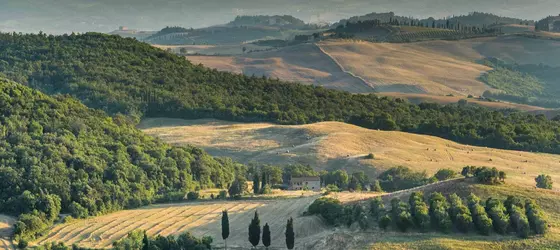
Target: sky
65 16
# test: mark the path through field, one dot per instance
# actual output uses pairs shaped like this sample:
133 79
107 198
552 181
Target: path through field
6 229
199 218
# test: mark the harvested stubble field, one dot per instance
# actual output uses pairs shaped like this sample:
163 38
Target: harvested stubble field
6 228
199 218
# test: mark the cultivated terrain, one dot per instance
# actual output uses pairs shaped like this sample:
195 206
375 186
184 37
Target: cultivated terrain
335 145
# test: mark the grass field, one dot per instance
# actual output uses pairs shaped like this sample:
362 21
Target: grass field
335 145
408 68
199 218
6 228
431 67
442 99
303 63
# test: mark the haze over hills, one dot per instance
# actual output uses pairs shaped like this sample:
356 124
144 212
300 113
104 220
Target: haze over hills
63 16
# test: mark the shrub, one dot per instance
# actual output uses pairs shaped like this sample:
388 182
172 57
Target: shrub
482 222
191 196
498 213
329 208
238 187
520 222
445 174
266 189
370 156
77 211
535 217
384 222
439 215
419 210
376 207
376 187
222 195
544 181
399 178
459 214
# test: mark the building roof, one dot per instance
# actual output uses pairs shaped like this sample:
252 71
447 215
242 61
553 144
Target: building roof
307 178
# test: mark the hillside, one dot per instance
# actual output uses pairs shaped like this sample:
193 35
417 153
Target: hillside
199 218
334 145
304 63
445 99
422 67
121 75
59 156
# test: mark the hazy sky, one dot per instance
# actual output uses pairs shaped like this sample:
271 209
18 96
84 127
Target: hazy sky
62 16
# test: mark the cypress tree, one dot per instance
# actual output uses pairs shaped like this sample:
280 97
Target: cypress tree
290 236
256 183
225 226
255 230
264 181
145 242
266 236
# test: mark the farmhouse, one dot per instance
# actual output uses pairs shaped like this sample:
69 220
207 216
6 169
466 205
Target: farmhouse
551 23
306 183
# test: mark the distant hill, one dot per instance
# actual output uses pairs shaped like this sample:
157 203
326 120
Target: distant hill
280 21
479 19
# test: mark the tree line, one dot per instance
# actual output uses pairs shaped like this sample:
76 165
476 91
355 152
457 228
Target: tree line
438 213
147 82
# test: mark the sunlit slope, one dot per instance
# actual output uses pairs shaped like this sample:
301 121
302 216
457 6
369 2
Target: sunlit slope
198 218
335 145
407 68
301 63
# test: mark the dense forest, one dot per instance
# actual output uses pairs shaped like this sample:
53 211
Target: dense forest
121 75
56 155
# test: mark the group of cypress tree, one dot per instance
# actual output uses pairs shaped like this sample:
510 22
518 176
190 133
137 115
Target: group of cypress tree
255 231
446 215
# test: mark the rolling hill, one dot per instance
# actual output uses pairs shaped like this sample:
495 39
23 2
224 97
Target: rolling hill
335 145
125 76
434 67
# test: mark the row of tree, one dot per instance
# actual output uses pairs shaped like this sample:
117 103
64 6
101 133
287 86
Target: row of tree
255 231
446 215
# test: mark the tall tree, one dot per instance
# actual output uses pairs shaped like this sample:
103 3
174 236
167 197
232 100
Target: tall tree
290 235
145 242
264 181
266 236
256 183
255 230
225 226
